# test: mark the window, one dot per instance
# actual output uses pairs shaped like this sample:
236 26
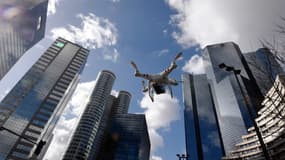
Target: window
39 23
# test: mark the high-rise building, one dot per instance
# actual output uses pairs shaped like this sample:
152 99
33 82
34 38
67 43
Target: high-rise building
231 106
129 138
106 131
271 124
85 133
264 68
202 134
30 110
114 106
22 25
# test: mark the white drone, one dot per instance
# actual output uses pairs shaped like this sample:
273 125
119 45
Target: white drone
157 82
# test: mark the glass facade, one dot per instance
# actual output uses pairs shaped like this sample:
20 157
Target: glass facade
203 139
230 105
33 106
264 68
22 25
127 139
85 133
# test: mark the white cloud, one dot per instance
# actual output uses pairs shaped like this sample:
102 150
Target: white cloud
155 158
206 22
68 121
114 93
194 65
115 1
159 115
161 52
95 32
111 56
52 6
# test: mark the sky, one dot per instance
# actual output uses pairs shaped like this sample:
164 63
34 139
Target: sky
149 32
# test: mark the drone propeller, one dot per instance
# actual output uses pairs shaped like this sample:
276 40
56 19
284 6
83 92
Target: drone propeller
134 65
178 56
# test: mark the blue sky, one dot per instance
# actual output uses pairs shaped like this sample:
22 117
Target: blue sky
149 32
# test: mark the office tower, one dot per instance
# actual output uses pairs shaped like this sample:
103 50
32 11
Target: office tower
30 110
229 88
85 133
203 140
272 126
114 106
22 25
129 137
105 130
264 68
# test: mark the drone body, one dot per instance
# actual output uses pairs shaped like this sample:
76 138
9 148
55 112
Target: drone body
158 82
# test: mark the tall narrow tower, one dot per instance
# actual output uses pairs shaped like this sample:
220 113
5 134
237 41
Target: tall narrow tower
22 25
30 110
85 133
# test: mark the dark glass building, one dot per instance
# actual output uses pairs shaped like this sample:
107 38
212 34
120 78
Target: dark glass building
30 110
231 108
129 138
202 134
22 25
264 68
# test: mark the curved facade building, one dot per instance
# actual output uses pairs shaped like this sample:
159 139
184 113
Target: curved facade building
84 136
123 102
271 122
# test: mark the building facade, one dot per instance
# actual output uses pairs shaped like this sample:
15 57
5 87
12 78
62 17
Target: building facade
22 26
271 123
106 129
202 134
264 68
231 107
129 138
31 109
83 138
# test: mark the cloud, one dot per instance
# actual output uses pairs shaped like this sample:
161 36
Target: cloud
194 65
115 1
114 93
161 52
52 6
68 121
111 56
155 158
159 115
204 22
94 32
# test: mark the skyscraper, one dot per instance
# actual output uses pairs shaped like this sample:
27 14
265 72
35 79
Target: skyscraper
231 107
106 128
264 68
85 133
22 25
126 135
129 137
30 110
202 134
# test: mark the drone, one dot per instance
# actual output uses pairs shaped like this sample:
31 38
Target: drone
158 82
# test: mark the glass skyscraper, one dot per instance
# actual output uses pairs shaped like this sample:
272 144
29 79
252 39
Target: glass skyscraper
30 110
264 68
202 134
232 113
129 138
22 25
